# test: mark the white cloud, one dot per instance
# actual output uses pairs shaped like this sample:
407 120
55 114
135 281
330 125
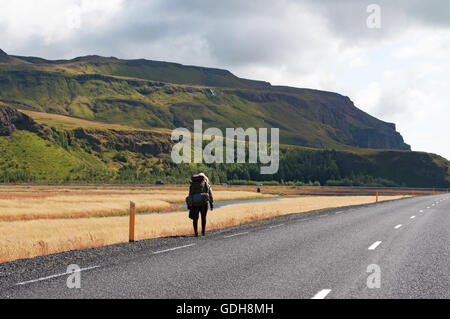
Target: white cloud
52 21
369 97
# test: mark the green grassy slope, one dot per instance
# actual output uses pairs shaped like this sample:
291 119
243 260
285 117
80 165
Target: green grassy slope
148 70
305 117
25 157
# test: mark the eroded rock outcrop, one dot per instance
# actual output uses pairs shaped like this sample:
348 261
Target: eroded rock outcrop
144 142
11 120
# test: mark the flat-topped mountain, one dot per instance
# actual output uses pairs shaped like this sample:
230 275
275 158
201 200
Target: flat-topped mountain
148 94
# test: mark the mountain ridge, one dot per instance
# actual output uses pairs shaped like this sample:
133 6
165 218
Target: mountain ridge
145 94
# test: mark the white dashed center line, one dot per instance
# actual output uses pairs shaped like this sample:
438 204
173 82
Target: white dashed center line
412 217
374 245
420 211
321 294
238 234
171 249
398 226
55 276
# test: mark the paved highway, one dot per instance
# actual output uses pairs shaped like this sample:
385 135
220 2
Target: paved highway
396 249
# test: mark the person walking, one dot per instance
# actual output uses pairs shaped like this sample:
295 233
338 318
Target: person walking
200 194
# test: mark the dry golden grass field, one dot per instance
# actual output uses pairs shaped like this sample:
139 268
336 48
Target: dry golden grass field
39 220
20 203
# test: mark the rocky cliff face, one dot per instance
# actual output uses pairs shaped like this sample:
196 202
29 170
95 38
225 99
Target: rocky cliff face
370 132
349 124
11 119
144 142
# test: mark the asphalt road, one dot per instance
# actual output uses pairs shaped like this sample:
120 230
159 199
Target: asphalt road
323 255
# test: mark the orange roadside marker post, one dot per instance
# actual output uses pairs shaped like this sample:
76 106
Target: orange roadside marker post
377 197
132 220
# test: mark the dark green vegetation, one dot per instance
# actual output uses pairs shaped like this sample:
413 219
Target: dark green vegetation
145 95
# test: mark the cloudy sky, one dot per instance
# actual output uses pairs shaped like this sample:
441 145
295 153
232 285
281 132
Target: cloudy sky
399 72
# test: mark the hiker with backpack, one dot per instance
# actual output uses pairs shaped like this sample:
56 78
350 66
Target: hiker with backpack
200 195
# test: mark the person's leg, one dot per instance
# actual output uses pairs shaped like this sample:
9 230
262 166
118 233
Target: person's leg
195 223
204 211
195 220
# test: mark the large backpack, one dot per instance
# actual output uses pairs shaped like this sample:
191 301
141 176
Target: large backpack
198 195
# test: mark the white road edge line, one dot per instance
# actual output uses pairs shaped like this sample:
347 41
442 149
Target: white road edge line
54 276
238 234
321 294
374 245
276 225
339 212
398 226
171 249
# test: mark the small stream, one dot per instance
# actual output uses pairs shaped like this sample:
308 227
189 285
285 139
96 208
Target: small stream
222 203
243 201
